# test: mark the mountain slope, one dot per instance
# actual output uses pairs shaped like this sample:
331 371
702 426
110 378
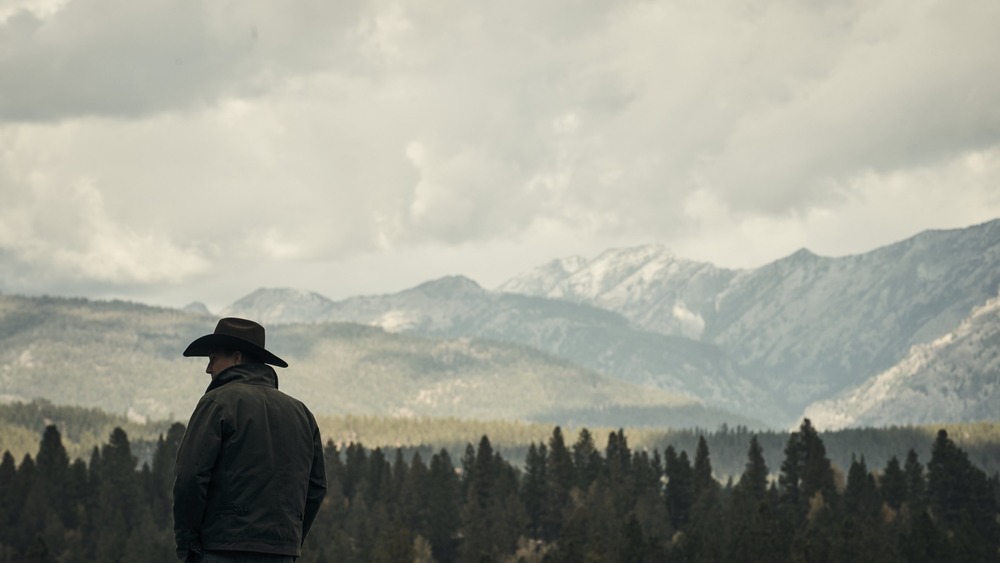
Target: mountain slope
955 378
802 328
271 306
125 357
812 327
647 284
597 339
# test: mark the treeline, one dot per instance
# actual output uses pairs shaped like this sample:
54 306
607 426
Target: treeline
83 428
565 503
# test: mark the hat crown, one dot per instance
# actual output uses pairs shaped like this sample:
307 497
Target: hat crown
235 334
241 328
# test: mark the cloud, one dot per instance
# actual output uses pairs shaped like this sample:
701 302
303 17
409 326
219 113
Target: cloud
298 134
130 59
909 88
68 233
877 209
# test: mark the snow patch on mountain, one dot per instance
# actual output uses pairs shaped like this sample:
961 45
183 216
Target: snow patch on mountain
539 281
692 323
281 306
649 285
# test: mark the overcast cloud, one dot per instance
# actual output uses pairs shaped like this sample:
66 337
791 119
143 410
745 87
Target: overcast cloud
168 152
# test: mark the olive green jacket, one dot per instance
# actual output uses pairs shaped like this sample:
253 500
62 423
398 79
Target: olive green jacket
249 474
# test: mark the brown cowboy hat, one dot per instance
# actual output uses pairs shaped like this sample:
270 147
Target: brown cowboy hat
235 334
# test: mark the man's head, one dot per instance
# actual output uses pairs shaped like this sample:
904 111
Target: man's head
223 359
235 341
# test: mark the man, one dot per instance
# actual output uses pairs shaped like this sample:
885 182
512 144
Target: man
249 476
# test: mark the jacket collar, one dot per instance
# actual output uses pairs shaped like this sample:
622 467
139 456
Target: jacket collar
253 374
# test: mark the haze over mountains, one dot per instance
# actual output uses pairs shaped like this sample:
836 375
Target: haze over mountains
126 358
907 333
766 342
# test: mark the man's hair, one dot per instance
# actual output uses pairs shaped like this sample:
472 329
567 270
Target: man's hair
251 357
248 356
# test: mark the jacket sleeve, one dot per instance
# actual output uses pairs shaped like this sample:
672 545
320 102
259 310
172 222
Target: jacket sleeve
196 457
317 482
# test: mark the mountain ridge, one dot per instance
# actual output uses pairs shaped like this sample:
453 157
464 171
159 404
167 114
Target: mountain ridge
809 326
777 338
126 358
770 341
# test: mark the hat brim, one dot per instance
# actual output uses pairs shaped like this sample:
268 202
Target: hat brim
209 343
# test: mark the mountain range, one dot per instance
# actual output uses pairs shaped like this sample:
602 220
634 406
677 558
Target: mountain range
125 358
903 334
764 343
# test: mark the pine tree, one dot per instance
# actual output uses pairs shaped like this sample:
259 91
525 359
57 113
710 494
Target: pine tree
753 481
534 487
355 469
493 518
378 477
53 467
442 507
559 473
703 480
77 493
399 471
756 533
960 497
861 496
893 485
118 499
412 498
92 519
916 485
587 461
8 499
162 475
680 487
863 537
617 457
27 509
806 472
646 507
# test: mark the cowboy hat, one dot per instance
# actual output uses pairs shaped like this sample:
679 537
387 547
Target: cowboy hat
235 334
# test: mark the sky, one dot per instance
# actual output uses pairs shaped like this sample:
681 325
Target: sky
167 152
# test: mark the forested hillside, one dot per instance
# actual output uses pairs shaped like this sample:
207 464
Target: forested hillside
126 358
569 501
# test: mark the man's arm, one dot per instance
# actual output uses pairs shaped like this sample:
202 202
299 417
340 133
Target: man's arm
317 482
196 457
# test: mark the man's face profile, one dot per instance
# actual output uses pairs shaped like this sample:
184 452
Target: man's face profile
220 360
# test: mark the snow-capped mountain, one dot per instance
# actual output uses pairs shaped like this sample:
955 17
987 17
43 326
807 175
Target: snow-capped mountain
805 327
764 342
647 284
281 305
955 378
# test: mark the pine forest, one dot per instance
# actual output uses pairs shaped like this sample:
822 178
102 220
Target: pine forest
568 500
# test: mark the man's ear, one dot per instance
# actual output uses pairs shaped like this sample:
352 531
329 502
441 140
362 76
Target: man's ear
238 357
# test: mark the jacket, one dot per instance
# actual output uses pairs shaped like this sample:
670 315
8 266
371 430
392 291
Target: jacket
249 474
